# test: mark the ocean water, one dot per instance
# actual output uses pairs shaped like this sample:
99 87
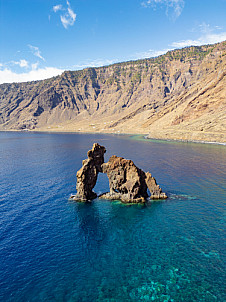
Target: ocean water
52 249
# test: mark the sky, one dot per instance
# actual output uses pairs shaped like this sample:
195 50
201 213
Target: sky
42 38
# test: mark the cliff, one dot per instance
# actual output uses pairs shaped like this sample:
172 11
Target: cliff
179 95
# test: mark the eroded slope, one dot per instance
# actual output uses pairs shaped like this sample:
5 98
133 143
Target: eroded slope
180 95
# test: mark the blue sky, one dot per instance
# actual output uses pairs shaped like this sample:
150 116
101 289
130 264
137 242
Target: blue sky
42 38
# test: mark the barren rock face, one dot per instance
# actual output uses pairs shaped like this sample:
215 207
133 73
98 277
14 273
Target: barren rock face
127 182
155 190
87 175
180 95
97 155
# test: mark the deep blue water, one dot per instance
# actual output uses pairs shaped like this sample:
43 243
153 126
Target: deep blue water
55 250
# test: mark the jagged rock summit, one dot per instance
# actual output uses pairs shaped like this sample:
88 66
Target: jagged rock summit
87 175
127 182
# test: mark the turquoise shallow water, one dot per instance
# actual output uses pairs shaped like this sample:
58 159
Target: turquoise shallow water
55 250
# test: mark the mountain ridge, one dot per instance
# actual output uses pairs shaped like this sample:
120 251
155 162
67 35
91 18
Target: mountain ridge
179 95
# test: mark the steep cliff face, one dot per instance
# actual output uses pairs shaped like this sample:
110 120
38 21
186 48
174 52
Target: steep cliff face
180 95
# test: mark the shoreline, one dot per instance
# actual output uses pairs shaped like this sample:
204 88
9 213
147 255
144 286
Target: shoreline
143 136
187 141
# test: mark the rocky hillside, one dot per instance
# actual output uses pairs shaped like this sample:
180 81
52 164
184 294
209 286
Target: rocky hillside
179 95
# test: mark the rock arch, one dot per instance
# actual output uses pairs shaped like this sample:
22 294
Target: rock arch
127 182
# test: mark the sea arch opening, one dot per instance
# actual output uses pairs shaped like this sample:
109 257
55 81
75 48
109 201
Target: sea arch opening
102 184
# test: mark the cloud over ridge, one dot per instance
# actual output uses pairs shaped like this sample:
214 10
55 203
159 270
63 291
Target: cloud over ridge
209 38
9 76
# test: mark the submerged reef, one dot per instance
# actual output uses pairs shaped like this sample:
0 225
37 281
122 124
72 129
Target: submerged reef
127 182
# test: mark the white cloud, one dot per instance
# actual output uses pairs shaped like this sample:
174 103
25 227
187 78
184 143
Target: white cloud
36 52
95 63
173 8
22 63
8 76
34 66
218 27
69 16
208 35
150 53
58 7
209 38
205 28
146 3
185 43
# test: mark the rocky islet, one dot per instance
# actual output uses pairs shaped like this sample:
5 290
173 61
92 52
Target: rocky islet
127 182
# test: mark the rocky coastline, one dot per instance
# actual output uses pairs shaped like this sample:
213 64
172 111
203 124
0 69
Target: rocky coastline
176 96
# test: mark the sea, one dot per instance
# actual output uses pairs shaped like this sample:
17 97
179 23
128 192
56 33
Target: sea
54 249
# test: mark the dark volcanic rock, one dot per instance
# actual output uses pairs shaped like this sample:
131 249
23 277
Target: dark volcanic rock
87 175
155 190
127 182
